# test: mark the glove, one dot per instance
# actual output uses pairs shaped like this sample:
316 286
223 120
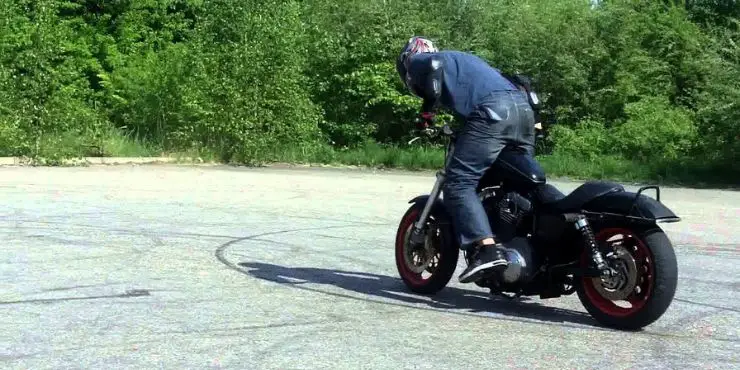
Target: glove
425 120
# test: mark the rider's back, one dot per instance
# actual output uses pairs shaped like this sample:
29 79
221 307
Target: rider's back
468 79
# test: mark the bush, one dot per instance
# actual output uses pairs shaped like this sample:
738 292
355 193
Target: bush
587 140
654 130
641 81
46 99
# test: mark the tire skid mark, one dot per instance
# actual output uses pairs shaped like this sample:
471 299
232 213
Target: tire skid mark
82 286
659 348
328 252
123 231
264 353
239 329
686 301
267 212
220 251
729 250
74 259
167 335
726 284
128 294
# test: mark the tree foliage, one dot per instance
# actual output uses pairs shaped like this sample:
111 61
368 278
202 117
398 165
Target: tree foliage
642 80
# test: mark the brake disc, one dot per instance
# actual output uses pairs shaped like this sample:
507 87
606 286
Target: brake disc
623 283
418 258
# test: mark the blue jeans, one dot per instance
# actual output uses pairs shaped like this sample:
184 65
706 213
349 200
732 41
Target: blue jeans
504 119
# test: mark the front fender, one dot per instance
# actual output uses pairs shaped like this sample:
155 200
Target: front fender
631 204
438 208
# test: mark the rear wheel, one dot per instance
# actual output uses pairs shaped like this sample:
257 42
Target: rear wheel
645 284
428 268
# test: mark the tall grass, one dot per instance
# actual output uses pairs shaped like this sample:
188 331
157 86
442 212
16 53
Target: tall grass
415 158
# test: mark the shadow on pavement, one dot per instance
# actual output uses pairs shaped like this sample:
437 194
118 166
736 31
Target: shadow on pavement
394 289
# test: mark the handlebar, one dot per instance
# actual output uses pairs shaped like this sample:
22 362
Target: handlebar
434 131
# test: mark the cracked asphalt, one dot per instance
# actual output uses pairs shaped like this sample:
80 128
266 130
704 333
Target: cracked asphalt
222 267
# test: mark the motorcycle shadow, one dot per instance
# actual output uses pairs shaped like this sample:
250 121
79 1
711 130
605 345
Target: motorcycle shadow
393 289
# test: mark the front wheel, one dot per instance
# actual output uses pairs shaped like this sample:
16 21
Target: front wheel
645 283
428 268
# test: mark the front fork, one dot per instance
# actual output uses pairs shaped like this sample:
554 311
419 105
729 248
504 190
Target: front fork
417 234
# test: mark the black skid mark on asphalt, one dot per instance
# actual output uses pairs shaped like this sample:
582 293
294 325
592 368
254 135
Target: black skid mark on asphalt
382 286
128 294
63 241
659 348
70 215
721 308
82 286
318 218
377 284
160 337
451 297
307 247
687 319
256 236
239 330
21 356
729 250
279 347
386 287
123 231
338 237
74 259
137 253
733 286
151 233
221 249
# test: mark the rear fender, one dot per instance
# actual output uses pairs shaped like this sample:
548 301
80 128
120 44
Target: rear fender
634 206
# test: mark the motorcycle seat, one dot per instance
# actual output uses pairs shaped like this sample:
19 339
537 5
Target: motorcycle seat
552 198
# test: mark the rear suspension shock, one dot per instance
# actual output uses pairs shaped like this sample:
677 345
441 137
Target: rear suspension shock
589 239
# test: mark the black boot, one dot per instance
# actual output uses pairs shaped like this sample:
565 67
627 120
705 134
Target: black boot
486 260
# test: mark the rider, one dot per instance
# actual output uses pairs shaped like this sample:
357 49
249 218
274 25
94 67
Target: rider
497 113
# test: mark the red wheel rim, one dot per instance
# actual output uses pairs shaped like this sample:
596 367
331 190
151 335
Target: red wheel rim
410 276
645 274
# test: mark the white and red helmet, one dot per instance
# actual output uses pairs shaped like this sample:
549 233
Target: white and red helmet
415 45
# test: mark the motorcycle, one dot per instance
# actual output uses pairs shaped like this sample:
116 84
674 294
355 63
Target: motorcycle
602 242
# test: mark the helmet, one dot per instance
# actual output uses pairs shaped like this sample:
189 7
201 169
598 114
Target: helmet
415 45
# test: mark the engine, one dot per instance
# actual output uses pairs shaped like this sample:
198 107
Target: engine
505 212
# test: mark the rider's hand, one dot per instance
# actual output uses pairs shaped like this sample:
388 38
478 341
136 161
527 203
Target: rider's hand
425 120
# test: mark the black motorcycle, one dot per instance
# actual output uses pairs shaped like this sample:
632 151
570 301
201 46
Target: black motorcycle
600 241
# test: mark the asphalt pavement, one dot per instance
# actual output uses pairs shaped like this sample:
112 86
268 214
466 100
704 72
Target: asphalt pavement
194 267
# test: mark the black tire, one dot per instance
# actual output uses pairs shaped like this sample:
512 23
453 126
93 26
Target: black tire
448 254
663 277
